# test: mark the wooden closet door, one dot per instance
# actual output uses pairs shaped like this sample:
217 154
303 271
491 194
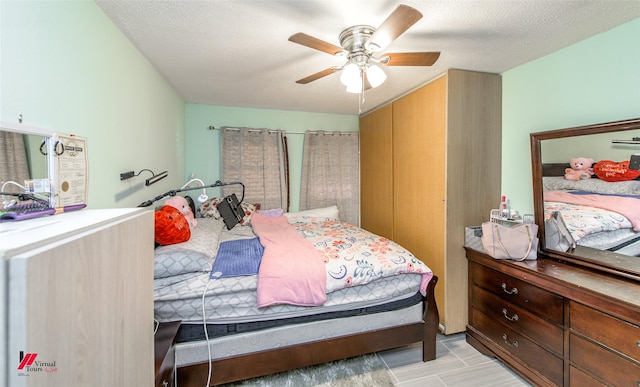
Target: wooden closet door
376 172
419 153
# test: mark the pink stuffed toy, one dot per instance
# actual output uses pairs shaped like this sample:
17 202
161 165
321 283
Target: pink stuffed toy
182 205
580 169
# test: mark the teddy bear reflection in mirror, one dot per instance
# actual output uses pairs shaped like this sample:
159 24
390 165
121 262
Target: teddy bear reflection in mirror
580 169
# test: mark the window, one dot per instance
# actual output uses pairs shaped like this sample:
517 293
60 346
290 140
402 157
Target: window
258 159
331 173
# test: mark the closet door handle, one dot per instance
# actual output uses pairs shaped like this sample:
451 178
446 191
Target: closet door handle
512 318
512 291
513 343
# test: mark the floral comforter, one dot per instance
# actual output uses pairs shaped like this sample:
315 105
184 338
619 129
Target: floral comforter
582 220
354 256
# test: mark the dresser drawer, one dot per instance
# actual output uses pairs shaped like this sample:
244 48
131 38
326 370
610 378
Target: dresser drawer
601 363
538 301
519 319
536 357
577 378
620 335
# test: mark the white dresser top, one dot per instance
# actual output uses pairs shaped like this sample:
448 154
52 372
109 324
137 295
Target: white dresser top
23 235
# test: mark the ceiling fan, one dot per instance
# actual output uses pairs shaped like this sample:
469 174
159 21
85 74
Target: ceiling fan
359 45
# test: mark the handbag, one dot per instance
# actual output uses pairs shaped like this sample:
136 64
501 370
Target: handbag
557 235
519 242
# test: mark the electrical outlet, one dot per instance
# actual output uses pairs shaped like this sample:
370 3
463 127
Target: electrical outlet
634 163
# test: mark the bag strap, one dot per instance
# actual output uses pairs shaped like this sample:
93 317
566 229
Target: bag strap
562 229
505 249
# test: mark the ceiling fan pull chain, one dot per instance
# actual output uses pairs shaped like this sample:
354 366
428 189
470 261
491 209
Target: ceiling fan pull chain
361 99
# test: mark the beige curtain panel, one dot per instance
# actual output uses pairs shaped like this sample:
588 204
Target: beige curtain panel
331 173
13 160
257 158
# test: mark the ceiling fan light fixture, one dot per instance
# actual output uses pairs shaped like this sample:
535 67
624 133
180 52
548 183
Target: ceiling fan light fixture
350 74
355 87
375 75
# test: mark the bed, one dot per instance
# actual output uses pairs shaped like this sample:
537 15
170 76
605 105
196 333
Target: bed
371 295
600 214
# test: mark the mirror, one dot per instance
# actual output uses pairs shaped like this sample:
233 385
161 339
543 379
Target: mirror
37 163
603 230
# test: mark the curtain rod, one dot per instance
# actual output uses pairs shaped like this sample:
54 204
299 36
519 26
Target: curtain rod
287 133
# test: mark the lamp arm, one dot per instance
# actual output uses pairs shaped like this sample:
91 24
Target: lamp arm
174 192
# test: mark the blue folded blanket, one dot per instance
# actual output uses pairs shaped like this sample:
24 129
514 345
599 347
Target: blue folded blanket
237 258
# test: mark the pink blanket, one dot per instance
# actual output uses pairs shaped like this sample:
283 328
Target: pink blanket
627 206
292 271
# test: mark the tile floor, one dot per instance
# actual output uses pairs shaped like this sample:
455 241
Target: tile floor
457 364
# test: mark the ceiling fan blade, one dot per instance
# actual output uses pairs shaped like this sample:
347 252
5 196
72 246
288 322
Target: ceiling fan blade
317 75
411 58
315 43
395 25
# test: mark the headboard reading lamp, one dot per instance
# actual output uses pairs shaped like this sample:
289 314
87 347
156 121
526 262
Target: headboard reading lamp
229 208
152 180
202 198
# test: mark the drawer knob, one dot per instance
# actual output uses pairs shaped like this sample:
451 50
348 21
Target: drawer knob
513 343
512 291
505 314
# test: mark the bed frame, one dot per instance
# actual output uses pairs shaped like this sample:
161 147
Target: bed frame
235 368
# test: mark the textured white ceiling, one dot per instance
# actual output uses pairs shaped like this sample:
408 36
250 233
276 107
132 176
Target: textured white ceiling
237 53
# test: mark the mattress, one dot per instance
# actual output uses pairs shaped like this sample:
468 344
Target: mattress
611 240
233 300
198 351
194 332
183 287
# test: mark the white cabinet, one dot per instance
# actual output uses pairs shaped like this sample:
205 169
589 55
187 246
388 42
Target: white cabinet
77 291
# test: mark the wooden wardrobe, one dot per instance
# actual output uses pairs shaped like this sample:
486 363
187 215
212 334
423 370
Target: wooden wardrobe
430 165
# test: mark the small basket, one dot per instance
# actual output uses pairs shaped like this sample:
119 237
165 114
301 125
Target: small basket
496 217
473 237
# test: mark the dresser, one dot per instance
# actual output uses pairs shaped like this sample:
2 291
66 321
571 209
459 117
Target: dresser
430 164
77 290
554 323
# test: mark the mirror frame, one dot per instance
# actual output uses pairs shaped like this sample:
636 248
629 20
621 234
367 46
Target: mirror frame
34 130
607 261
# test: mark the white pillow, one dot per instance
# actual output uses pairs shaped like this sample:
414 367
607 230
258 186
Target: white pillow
325 212
192 256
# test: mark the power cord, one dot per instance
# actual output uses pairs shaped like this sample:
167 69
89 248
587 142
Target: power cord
206 334
21 196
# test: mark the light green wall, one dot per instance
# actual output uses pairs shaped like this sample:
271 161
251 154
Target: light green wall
203 157
596 80
65 66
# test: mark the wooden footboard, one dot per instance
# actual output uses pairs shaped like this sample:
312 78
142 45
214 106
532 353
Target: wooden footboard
302 355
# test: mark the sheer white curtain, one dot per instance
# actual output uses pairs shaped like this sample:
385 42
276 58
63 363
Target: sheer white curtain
258 159
331 173
13 160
